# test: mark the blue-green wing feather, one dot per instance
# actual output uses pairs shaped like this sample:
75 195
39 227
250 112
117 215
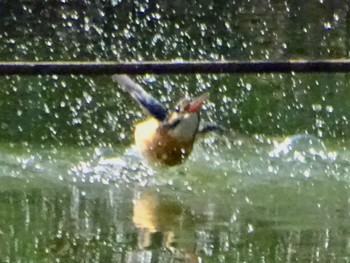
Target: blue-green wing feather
149 103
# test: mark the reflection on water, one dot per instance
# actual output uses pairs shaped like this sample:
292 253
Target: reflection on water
164 223
232 201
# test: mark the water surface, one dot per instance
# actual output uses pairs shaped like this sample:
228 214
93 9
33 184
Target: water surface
236 199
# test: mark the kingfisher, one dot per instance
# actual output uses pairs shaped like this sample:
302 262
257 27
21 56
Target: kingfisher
165 138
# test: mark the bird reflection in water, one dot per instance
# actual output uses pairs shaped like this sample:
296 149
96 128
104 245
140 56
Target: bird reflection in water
165 230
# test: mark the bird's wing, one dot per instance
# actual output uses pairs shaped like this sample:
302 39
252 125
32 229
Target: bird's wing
150 104
210 127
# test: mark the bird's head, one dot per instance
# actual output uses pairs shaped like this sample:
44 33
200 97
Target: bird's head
183 123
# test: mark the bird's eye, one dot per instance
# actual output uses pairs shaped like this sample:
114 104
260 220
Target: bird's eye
183 105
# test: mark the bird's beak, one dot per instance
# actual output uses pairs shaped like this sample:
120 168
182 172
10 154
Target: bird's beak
196 103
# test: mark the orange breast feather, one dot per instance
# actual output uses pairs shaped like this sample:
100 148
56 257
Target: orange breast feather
158 146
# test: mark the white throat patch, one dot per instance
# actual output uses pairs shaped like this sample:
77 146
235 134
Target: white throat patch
187 128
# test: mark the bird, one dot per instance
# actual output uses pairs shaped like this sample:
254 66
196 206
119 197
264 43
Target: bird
165 138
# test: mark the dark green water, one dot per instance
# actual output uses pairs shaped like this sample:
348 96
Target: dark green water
275 188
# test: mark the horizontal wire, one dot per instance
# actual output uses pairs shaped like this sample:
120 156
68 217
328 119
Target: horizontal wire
172 67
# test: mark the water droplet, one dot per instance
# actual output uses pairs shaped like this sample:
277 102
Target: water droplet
307 173
316 107
329 108
248 86
48 42
250 228
327 25
46 109
87 96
